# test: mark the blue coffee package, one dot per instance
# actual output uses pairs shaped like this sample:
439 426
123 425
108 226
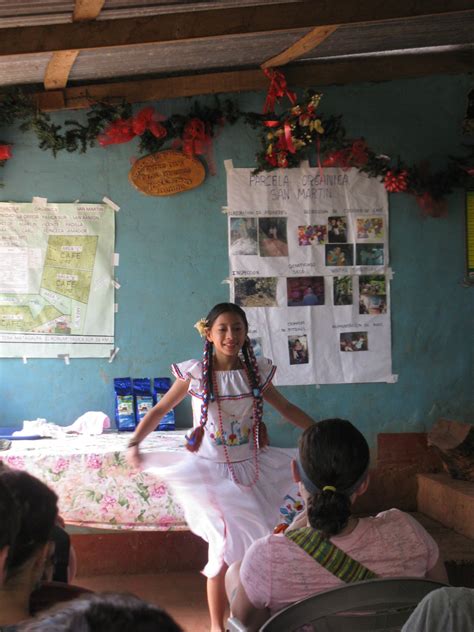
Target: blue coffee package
162 385
124 413
143 397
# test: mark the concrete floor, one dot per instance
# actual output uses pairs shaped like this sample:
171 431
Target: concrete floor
182 594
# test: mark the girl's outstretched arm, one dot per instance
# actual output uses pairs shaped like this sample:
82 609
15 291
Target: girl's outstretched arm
289 411
174 396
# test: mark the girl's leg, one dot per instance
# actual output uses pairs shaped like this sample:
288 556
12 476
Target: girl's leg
217 600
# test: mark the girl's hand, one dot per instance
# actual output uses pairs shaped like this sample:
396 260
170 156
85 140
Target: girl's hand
134 458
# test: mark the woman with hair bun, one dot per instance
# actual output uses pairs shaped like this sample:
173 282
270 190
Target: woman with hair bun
328 545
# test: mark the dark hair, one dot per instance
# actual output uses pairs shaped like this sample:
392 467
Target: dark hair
106 612
251 366
9 516
37 511
332 453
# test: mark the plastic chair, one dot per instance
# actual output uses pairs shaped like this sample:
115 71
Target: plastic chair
372 605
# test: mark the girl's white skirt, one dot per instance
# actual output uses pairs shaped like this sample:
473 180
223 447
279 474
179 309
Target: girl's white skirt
227 515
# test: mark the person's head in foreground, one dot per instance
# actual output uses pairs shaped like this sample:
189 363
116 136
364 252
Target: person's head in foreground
332 465
31 548
9 519
107 612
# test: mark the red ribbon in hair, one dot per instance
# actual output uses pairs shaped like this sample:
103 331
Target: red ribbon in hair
5 152
124 130
277 90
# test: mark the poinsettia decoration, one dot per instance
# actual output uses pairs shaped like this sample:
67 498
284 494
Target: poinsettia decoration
301 131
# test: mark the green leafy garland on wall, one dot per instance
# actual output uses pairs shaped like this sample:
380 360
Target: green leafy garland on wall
286 139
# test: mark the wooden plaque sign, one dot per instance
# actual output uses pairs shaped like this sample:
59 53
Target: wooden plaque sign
166 173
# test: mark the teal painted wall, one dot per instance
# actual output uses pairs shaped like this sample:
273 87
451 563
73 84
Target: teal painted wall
173 257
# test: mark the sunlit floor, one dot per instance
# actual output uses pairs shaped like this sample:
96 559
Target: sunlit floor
181 594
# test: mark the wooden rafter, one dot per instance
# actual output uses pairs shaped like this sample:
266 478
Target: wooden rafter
87 9
58 69
312 74
308 42
214 23
61 62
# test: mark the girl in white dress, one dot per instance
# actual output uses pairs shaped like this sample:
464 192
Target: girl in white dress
230 484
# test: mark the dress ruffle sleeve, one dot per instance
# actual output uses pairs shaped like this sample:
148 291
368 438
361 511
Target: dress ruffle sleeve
187 370
267 370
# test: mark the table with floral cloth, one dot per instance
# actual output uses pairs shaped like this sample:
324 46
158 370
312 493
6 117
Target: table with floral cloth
96 487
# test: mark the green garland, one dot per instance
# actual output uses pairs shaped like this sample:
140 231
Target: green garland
18 106
286 139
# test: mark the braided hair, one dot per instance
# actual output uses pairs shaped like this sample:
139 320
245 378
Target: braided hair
250 362
334 456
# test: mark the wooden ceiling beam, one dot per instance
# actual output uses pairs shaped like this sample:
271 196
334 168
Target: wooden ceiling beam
308 42
61 62
214 23
311 74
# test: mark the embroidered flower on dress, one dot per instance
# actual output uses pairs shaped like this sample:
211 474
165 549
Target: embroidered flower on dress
201 326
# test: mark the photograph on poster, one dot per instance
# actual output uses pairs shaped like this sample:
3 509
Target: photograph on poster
312 234
257 346
372 294
273 237
369 255
305 291
337 229
298 349
370 228
243 236
339 255
256 291
354 341
342 290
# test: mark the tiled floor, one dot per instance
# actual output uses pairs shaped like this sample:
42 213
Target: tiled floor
181 594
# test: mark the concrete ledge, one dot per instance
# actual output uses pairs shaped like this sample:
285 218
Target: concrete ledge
449 501
129 552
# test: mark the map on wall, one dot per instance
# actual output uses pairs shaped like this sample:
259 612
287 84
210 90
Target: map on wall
309 263
56 274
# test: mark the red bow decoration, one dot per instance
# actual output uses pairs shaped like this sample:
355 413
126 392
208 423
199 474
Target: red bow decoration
339 158
147 119
124 130
277 90
431 206
196 140
354 156
396 182
5 152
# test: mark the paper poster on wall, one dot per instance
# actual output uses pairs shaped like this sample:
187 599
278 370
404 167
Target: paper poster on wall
56 273
309 263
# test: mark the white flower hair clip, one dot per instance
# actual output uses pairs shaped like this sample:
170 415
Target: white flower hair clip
201 326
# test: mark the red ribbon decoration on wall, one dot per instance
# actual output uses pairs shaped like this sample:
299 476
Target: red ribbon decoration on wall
125 130
277 90
5 152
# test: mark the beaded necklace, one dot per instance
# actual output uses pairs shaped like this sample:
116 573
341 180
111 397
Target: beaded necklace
255 434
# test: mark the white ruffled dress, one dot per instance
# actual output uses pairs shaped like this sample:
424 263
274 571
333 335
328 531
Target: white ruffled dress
222 504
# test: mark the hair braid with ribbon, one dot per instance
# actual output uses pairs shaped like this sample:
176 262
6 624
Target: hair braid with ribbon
255 384
194 439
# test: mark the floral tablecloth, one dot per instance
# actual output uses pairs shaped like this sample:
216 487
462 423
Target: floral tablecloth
95 486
